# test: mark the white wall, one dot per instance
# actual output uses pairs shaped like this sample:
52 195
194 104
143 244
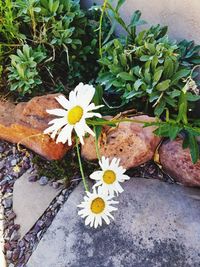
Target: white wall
182 16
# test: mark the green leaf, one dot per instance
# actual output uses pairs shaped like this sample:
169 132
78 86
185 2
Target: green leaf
132 94
194 148
163 85
135 20
191 97
182 115
119 4
144 58
162 130
157 75
104 78
174 131
169 100
193 130
180 74
168 68
159 108
136 16
117 83
151 47
137 84
126 76
182 108
111 31
98 130
55 6
97 99
153 96
175 93
185 142
123 60
154 63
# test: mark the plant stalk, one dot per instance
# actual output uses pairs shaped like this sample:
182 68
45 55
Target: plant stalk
97 145
80 165
100 27
110 122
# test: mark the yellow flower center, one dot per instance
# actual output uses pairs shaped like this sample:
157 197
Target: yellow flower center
109 177
98 205
74 115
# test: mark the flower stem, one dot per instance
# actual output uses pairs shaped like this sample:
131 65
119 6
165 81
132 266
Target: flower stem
80 165
100 27
114 121
97 145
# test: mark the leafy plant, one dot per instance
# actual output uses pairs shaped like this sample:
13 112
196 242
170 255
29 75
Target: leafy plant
24 76
181 125
62 31
188 53
145 66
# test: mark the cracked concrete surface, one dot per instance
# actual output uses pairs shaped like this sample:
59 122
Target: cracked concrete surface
156 225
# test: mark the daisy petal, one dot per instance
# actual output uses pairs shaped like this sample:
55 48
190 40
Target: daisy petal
57 112
92 114
88 220
63 101
106 219
80 130
65 135
93 107
85 93
88 130
57 125
96 175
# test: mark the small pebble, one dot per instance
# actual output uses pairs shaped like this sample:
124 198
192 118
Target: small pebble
25 165
43 180
32 178
13 162
16 226
9 254
2 164
8 178
40 223
21 243
61 199
55 185
14 150
7 202
7 246
15 236
11 216
15 255
2 148
21 253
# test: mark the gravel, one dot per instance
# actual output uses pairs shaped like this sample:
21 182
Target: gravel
13 164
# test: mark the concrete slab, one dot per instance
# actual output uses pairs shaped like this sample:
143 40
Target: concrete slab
157 225
30 200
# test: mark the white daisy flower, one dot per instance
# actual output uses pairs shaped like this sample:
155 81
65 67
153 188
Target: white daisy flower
73 115
97 207
110 177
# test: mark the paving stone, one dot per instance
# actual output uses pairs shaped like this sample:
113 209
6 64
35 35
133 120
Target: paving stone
30 200
157 225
